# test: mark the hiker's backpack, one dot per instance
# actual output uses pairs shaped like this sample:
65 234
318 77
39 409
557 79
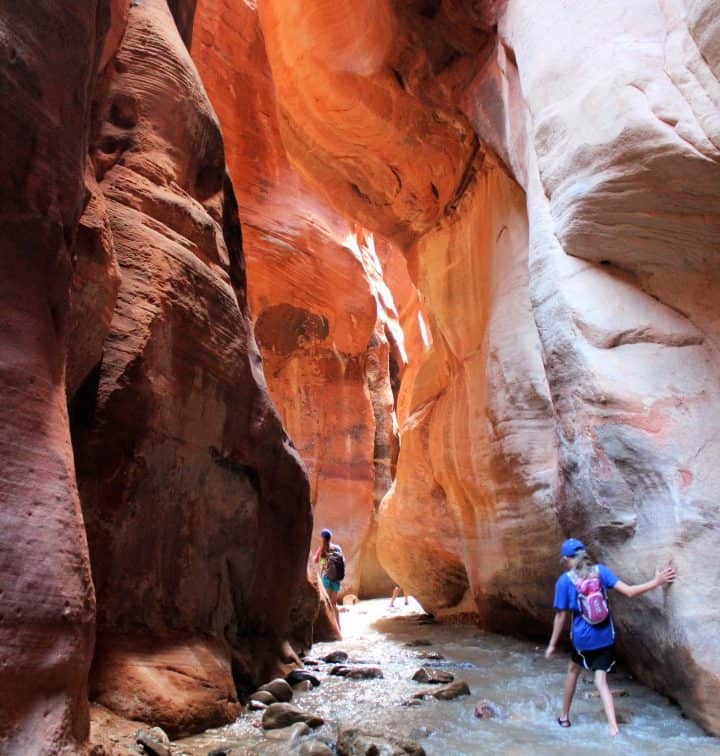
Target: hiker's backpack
591 596
335 565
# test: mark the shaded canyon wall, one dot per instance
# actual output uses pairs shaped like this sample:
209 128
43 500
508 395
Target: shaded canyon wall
177 524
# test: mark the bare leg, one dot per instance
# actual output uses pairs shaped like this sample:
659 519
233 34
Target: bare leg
332 595
405 597
573 673
607 700
395 594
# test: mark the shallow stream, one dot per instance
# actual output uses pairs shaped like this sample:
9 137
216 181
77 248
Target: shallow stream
523 687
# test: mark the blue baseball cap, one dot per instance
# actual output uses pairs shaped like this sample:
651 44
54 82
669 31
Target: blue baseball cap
325 533
571 547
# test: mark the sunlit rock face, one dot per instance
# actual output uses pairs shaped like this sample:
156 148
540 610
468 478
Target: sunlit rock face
324 318
567 261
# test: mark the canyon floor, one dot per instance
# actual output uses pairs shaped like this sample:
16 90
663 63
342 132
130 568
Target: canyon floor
522 688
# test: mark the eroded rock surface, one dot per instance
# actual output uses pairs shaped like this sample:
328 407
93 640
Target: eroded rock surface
323 315
49 56
195 503
570 283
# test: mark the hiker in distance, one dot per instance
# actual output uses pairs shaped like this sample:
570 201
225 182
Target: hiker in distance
332 568
581 592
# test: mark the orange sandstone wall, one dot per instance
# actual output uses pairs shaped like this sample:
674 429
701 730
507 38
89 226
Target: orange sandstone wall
322 312
566 256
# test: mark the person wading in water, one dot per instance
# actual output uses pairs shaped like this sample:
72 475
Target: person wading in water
581 592
332 568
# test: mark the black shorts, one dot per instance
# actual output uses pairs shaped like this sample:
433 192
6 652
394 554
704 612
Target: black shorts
599 659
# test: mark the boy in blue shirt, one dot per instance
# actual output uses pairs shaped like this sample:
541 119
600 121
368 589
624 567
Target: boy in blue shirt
581 592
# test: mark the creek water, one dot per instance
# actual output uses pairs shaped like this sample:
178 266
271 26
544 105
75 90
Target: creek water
524 688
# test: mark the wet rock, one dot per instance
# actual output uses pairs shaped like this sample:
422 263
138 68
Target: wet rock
154 741
284 714
430 655
353 742
447 692
291 733
416 701
278 688
311 662
256 705
301 675
350 599
485 709
264 696
420 732
616 692
425 675
357 673
315 748
303 687
336 657
418 642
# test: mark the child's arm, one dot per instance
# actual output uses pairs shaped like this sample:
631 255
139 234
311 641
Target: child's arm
558 625
666 575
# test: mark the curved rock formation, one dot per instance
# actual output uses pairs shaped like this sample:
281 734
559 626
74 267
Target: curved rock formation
324 318
47 604
121 236
195 503
570 291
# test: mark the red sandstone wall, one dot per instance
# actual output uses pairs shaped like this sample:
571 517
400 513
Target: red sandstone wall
124 293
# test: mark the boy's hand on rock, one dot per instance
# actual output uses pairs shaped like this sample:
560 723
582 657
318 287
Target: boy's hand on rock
666 575
549 651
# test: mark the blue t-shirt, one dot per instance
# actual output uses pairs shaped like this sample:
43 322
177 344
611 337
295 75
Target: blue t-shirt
585 637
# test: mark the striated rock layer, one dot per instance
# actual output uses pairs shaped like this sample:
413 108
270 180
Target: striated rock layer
195 503
47 605
324 319
568 266
124 294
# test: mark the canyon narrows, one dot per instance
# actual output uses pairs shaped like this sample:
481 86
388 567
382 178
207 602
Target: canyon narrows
440 275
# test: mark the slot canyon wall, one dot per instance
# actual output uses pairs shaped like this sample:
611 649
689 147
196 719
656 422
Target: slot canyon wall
156 517
552 177
537 185
325 319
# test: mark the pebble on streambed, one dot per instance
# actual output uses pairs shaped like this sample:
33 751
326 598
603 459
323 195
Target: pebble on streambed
425 675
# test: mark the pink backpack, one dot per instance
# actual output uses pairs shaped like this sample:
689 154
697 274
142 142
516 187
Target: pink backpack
591 596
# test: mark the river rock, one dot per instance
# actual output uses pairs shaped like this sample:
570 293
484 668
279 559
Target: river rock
430 655
447 692
485 709
290 733
264 696
425 675
301 675
154 741
278 688
284 714
418 642
353 742
315 748
255 705
308 662
356 673
335 657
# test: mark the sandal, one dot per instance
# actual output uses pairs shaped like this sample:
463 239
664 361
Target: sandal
563 722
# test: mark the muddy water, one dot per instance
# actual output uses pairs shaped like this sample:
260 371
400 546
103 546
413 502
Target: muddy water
525 689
